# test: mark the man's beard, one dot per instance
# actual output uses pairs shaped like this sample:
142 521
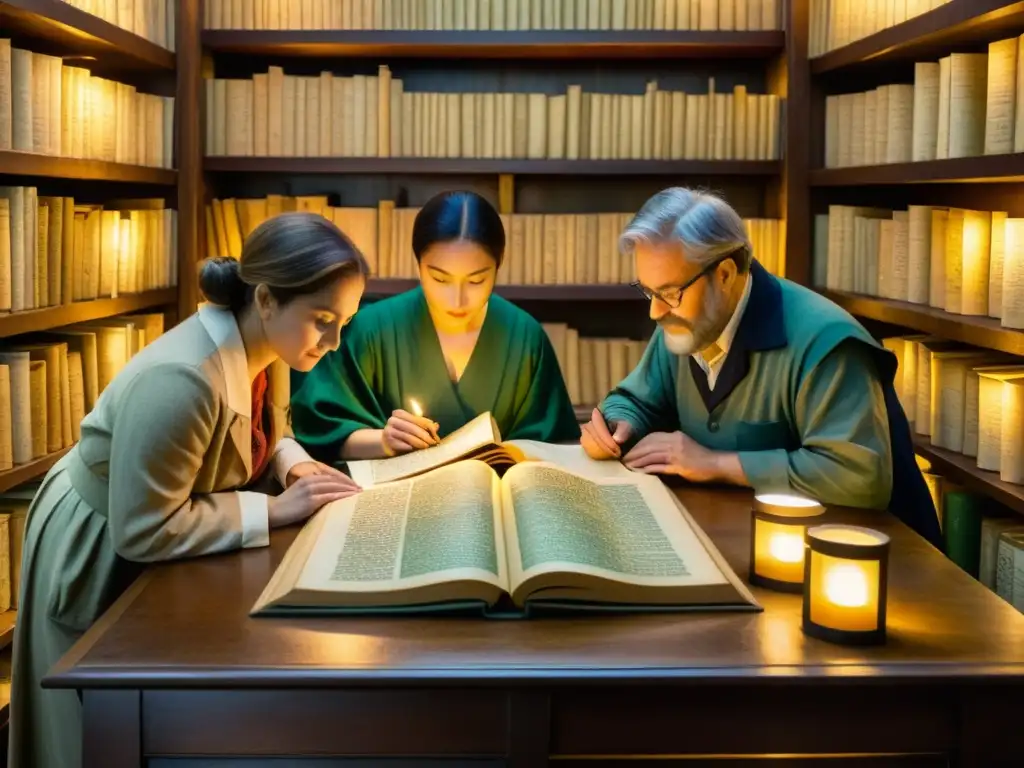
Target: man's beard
692 337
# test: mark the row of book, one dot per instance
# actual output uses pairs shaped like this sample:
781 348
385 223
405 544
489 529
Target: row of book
540 249
984 538
14 506
493 15
964 105
963 399
962 261
279 115
835 23
54 250
592 367
50 108
50 381
154 20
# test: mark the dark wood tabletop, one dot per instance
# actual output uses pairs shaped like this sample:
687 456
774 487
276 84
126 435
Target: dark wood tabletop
186 625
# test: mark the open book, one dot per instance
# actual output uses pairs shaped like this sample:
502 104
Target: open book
477 439
541 537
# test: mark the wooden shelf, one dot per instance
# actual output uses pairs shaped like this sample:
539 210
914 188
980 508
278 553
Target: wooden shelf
390 287
28 164
455 166
964 471
71 31
534 44
985 332
33 320
961 170
7 619
23 473
953 24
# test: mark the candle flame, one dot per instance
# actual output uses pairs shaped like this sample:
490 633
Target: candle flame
787 547
415 406
846 585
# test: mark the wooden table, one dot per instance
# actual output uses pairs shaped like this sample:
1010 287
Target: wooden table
177 669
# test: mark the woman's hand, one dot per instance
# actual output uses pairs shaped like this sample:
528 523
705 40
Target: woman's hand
308 493
599 442
406 432
307 468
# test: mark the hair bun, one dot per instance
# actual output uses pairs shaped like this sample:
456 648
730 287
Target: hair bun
220 280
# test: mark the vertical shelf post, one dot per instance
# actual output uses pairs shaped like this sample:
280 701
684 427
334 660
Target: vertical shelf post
190 152
794 194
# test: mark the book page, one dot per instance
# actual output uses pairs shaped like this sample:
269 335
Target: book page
569 537
432 538
476 434
570 457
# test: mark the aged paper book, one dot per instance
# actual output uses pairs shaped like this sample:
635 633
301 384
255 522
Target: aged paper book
478 439
539 538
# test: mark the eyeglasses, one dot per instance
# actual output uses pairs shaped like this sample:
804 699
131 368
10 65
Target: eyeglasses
673 297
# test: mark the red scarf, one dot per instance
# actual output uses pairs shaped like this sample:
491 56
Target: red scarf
260 454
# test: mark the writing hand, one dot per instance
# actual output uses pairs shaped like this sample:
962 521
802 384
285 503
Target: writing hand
406 432
599 442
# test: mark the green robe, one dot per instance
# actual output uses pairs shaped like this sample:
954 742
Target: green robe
804 397
390 353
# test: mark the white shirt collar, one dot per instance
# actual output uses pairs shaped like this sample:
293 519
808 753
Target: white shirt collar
725 340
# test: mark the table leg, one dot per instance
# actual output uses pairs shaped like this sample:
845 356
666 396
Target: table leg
111 729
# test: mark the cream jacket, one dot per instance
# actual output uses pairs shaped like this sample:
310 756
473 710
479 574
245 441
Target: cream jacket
166 450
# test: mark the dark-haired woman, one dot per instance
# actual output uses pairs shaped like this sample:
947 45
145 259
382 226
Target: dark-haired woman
168 459
449 346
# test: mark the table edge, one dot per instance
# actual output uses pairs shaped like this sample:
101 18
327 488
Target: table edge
300 677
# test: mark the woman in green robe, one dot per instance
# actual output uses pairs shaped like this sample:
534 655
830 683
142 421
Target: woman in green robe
449 349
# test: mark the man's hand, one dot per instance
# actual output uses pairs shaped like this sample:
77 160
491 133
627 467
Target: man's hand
599 442
673 453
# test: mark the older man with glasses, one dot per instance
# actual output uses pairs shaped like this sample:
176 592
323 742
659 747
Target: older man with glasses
753 380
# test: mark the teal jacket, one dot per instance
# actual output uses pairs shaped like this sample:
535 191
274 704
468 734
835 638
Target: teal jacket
805 398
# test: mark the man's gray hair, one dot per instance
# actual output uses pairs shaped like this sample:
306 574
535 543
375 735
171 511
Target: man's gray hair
702 223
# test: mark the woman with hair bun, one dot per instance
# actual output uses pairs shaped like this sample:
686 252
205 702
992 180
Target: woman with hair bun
169 460
450 346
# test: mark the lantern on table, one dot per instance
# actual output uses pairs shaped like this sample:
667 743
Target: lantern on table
845 584
777 528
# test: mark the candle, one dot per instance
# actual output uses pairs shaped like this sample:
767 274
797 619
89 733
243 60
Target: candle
845 580
415 407
777 544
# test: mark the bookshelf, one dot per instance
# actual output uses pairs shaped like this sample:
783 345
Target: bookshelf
32 470
963 470
989 169
58 26
496 62
124 68
920 241
548 45
985 332
33 320
29 164
954 25
472 166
